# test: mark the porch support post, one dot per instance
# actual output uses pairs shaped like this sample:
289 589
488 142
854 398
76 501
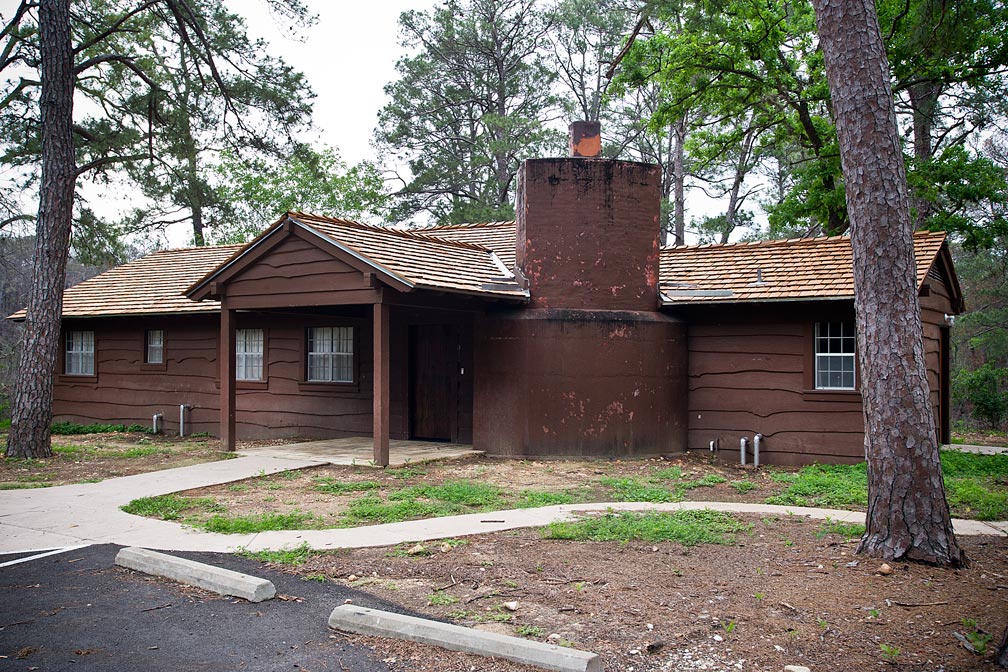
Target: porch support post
226 357
381 384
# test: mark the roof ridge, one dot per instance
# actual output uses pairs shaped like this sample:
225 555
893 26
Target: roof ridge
411 235
192 248
784 241
465 225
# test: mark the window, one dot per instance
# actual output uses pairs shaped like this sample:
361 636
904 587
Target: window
80 353
249 354
331 354
834 356
155 347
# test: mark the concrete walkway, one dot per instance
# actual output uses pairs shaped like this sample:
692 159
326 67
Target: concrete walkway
73 515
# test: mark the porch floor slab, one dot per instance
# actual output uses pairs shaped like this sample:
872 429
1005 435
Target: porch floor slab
360 450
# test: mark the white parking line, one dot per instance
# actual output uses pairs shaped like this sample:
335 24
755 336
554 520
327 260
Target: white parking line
43 555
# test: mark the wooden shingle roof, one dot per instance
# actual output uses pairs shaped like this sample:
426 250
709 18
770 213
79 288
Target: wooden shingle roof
405 259
424 261
497 236
152 285
775 270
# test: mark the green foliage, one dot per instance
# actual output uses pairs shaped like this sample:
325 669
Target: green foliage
976 485
259 190
633 490
260 523
372 508
688 528
530 499
467 106
170 507
440 598
530 631
462 493
977 638
334 487
289 556
889 653
70 428
407 472
985 391
848 530
742 487
825 485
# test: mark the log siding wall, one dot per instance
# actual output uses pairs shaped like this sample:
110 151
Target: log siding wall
125 390
751 370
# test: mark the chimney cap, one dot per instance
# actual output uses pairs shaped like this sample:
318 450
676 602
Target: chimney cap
586 139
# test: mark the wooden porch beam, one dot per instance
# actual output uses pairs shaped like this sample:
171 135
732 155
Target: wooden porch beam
226 358
381 384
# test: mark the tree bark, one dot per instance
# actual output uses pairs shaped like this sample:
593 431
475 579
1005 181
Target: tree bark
31 413
679 173
908 515
924 102
1001 655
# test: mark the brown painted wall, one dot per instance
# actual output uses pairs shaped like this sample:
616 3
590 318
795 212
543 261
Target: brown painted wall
588 233
127 391
751 370
579 383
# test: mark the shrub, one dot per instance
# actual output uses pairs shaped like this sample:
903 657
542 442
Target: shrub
985 390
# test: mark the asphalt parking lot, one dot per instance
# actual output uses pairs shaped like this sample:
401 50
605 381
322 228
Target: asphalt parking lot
78 611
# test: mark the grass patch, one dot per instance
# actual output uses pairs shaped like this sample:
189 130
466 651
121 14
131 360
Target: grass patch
440 598
634 490
688 528
24 485
372 508
667 474
332 486
841 485
287 556
848 530
742 487
261 523
406 472
976 499
530 499
170 507
976 485
708 481
65 428
462 493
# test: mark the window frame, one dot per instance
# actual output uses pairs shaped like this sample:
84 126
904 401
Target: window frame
353 354
68 354
161 346
240 355
847 331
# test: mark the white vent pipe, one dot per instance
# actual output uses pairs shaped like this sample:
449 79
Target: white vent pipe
181 418
156 423
742 450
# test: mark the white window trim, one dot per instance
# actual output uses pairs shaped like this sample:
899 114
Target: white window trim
329 352
852 356
79 353
249 351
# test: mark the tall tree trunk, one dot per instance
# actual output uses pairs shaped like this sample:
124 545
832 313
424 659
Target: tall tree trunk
908 515
679 174
32 409
924 103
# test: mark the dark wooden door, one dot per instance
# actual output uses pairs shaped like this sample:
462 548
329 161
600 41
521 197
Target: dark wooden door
944 387
434 357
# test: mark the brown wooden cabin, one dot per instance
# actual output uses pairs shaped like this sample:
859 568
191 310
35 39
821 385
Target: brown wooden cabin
565 333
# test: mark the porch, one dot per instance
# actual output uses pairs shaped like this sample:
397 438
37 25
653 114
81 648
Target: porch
360 450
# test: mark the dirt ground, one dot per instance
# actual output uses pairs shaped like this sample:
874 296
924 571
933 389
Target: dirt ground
781 595
86 458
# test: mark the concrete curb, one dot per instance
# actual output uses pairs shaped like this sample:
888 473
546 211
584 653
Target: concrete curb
351 618
223 581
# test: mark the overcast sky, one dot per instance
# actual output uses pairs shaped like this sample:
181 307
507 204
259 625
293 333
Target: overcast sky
348 56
